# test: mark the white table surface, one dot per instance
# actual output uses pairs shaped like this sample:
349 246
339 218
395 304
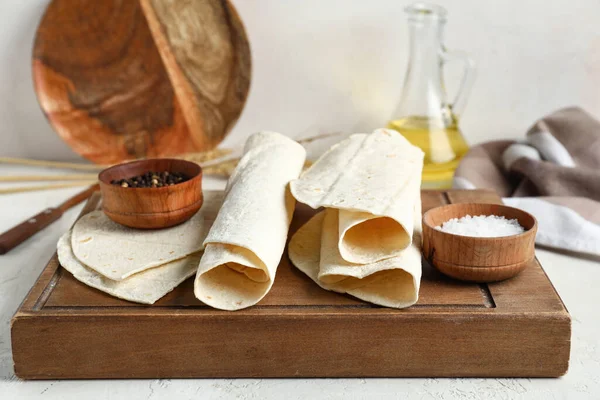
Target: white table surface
576 280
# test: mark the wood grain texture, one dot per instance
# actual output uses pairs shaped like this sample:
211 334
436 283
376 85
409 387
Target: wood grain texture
121 80
151 208
478 259
518 327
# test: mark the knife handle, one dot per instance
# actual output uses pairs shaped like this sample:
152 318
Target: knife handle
18 234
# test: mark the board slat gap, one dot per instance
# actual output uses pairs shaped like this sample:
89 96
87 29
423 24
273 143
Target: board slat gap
41 301
488 299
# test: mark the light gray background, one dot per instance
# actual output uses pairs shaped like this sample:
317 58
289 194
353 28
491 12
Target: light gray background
338 65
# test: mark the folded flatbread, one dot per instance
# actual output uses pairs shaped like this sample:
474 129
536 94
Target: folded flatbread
145 287
392 282
374 181
247 239
117 252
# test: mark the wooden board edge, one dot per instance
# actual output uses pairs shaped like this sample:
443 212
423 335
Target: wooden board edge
554 288
48 272
503 346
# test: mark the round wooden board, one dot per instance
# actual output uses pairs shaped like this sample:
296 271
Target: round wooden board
141 78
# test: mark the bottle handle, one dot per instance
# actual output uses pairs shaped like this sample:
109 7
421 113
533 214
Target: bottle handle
466 83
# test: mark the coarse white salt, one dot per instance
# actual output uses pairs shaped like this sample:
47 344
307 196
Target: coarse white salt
482 226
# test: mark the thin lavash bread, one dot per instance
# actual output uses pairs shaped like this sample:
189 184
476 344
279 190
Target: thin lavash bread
117 252
247 239
144 287
392 282
373 180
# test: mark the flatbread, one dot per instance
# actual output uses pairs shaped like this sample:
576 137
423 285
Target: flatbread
145 287
117 252
393 282
373 180
247 239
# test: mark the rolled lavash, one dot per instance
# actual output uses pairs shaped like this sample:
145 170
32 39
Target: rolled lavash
247 239
367 240
373 180
393 282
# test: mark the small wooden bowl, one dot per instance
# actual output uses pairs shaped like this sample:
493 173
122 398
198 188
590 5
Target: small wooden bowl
151 208
478 259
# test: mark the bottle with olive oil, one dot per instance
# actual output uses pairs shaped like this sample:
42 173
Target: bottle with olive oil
424 116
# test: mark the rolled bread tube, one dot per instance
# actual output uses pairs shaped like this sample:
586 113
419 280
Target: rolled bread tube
246 241
393 282
373 180
334 270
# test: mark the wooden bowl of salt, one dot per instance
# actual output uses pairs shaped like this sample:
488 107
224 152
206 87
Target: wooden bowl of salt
479 242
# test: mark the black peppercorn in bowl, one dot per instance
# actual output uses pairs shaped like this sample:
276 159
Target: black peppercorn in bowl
151 194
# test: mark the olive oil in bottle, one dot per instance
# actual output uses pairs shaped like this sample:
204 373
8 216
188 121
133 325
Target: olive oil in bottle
425 114
443 145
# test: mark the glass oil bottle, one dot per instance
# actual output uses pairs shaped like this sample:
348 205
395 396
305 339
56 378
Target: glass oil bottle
424 116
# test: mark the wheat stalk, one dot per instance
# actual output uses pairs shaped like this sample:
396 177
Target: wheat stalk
40 178
51 186
218 162
51 164
195 157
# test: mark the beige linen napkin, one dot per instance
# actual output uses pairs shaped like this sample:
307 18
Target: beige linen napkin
554 174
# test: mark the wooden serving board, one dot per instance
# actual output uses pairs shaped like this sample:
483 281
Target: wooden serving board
515 328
